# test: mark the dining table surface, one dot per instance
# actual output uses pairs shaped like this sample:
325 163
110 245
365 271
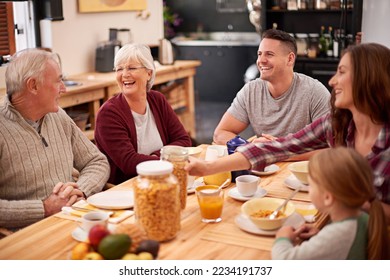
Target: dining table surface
51 237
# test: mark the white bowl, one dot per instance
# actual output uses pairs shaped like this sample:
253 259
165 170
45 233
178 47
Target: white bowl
267 203
301 170
194 151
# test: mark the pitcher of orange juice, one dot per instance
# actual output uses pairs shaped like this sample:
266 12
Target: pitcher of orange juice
214 152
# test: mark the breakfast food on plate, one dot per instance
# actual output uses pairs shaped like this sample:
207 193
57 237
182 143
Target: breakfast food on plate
266 213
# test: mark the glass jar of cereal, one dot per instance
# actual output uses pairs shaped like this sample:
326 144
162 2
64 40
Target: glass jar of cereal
157 204
178 156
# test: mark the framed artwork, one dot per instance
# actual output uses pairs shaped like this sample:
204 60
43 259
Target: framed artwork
96 6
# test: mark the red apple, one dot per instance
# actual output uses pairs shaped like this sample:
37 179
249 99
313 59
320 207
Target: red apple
97 233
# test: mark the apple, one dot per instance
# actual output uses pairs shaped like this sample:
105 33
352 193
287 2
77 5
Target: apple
97 233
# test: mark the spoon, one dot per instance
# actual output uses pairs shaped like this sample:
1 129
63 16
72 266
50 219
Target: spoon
273 215
224 184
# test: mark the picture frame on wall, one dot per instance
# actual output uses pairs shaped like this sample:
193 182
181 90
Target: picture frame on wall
96 6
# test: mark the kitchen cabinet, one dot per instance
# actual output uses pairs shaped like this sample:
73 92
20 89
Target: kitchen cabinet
221 74
321 69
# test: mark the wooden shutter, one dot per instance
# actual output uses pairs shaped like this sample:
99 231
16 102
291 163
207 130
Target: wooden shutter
7 30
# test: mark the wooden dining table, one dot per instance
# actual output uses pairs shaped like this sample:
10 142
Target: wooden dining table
51 237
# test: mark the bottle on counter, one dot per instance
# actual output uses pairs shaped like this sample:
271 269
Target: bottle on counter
337 40
313 49
330 42
322 43
156 200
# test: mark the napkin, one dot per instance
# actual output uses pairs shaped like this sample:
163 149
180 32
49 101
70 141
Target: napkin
117 217
308 211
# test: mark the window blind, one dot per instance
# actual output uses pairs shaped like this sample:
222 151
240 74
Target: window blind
7 30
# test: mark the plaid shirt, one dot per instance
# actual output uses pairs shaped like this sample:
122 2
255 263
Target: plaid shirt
318 135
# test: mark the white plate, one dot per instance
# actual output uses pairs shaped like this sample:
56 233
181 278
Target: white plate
82 236
112 199
268 170
233 193
293 183
244 223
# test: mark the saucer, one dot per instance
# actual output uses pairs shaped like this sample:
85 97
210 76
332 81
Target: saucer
233 193
268 170
81 235
293 183
245 224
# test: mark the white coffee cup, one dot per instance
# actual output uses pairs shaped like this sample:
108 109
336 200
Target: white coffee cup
247 184
214 152
90 219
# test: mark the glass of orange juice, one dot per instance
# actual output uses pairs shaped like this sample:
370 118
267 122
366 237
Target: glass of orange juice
210 199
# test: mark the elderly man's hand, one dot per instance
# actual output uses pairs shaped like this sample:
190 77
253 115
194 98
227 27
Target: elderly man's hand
64 194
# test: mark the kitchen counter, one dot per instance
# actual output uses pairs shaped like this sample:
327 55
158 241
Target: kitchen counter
219 39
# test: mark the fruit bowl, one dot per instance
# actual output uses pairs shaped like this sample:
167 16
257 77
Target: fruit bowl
301 170
266 205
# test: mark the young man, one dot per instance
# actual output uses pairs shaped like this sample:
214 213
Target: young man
280 101
40 145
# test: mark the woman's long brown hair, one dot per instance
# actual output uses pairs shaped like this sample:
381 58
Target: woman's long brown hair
370 88
350 180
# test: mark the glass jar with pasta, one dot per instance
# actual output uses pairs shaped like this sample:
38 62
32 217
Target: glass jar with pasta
178 156
157 204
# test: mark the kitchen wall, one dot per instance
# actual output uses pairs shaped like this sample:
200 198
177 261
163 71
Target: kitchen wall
204 13
76 38
376 22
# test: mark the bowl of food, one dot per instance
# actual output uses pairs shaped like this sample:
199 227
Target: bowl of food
259 209
194 151
300 169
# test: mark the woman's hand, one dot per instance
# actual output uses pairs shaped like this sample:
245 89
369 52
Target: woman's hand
196 167
264 138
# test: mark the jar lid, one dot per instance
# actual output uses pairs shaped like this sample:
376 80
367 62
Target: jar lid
154 167
174 150
174 153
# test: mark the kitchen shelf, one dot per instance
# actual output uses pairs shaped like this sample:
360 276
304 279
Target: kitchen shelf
311 20
315 11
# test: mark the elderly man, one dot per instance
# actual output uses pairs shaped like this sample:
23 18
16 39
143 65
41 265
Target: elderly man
40 145
280 101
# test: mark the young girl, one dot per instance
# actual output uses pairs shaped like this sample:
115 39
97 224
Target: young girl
341 181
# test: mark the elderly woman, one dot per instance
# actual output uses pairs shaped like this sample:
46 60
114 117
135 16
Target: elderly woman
360 119
134 125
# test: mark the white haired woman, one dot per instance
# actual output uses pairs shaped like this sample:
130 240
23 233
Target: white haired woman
134 125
